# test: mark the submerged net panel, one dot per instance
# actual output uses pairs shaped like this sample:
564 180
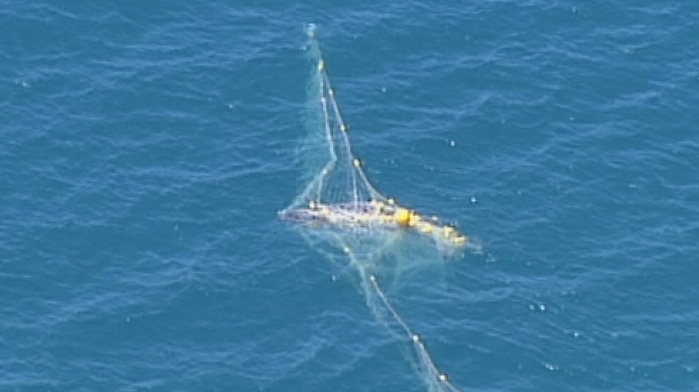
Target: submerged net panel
341 214
341 180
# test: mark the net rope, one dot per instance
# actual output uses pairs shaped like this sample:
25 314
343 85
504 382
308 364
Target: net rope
341 210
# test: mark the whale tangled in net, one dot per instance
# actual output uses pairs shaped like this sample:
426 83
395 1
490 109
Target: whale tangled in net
339 212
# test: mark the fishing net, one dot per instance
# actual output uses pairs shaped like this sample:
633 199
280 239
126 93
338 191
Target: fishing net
341 214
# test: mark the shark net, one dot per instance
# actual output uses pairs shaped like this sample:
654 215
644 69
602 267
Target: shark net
342 215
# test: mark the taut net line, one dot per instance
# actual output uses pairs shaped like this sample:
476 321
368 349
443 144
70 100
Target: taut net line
340 210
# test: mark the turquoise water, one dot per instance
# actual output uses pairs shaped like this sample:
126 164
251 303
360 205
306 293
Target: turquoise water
148 147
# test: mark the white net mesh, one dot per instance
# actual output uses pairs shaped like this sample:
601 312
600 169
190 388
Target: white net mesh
342 215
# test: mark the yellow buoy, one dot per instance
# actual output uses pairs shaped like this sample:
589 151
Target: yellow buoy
460 239
425 227
402 216
448 231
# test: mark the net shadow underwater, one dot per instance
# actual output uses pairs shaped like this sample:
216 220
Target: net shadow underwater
344 217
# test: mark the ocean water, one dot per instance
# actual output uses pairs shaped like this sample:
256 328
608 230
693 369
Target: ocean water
147 147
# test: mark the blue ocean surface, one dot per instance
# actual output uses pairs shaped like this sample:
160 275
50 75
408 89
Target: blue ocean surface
148 146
